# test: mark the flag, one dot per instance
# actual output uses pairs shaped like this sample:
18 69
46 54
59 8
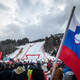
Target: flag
70 52
0 55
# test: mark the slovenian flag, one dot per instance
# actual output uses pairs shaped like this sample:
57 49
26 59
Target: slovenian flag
70 53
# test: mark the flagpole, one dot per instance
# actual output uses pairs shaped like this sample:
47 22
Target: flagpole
62 41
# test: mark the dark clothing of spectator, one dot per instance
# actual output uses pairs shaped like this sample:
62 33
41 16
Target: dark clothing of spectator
38 74
26 66
0 67
48 66
5 74
12 67
31 66
19 74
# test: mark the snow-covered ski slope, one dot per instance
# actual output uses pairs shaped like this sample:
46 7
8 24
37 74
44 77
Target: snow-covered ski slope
31 51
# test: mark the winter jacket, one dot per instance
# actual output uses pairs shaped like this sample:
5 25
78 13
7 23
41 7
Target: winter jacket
44 67
26 66
5 74
0 67
19 74
29 71
12 68
69 75
48 66
38 74
57 74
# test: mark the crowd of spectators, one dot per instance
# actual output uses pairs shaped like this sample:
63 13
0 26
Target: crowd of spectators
40 70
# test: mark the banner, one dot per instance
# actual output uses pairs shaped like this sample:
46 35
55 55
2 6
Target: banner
32 55
0 55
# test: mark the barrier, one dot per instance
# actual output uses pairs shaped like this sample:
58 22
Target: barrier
32 55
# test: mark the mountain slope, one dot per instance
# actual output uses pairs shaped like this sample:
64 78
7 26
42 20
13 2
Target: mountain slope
32 50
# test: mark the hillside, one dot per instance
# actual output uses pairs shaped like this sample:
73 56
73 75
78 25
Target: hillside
8 46
51 44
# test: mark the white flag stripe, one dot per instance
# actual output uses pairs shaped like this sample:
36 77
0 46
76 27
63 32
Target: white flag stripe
73 24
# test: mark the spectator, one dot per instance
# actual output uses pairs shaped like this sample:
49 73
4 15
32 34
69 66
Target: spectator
48 66
44 67
0 66
19 73
26 65
69 75
38 73
12 66
31 66
57 74
6 73
66 69
29 71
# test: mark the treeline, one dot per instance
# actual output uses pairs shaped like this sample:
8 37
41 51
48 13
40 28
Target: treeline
8 46
52 43
39 40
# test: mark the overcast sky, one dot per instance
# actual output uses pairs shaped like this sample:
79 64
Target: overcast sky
35 19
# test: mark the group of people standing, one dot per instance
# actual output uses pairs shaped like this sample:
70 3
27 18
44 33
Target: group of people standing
30 71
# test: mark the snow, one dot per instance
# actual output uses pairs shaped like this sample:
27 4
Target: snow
31 48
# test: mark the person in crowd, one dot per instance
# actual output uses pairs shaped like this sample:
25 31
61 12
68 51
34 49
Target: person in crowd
34 64
69 75
12 66
62 65
3 63
26 65
57 74
48 75
0 66
29 71
16 64
31 66
48 66
19 73
47 72
66 69
38 73
44 67
6 73
42 63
